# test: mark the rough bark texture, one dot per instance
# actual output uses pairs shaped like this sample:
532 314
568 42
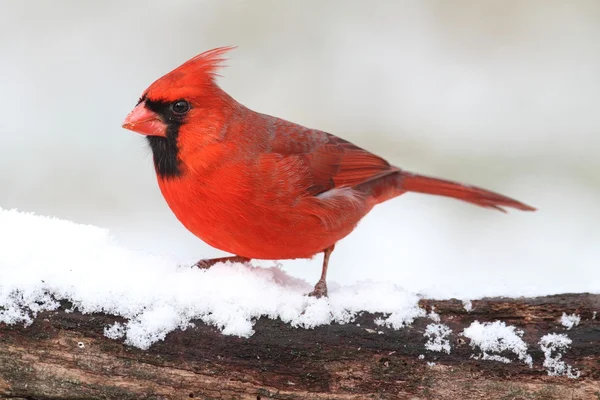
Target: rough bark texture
66 356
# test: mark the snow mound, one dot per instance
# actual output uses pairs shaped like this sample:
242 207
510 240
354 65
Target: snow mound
44 260
437 335
497 337
570 320
553 345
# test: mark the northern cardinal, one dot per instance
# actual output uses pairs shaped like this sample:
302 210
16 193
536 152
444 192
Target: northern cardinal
259 186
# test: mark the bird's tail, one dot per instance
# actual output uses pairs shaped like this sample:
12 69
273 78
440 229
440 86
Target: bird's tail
400 182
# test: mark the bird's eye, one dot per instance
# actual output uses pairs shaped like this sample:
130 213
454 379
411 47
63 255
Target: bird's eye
180 107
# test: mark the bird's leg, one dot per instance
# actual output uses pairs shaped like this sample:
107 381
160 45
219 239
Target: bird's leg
209 262
321 286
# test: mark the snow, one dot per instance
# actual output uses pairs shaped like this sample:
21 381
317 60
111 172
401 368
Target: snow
46 259
497 337
437 335
401 319
468 306
569 321
557 343
115 331
435 317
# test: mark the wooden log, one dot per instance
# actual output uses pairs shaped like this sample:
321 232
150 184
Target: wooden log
65 355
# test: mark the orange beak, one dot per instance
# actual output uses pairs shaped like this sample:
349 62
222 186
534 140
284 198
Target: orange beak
145 122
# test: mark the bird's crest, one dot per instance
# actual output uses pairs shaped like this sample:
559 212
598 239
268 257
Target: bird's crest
197 71
206 63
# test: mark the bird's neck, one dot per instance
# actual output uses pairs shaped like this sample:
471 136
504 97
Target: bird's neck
165 154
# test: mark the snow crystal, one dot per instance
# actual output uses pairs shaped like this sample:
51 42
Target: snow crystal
44 260
437 335
496 337
468 306
569 321
557 343
495 357
398 320
433 315
115 331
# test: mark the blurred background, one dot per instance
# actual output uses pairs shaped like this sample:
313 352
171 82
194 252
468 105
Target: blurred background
501 94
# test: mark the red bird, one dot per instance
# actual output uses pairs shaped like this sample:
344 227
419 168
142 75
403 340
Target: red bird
261 187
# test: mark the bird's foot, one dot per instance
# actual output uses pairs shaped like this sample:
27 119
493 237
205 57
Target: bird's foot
320 290
209 262
205 263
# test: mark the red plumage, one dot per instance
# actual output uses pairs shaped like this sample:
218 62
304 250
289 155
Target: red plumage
261 187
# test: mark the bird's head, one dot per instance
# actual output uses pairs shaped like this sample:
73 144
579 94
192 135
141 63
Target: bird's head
177 96
185 102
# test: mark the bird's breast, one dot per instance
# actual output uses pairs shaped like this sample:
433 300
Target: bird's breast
230 211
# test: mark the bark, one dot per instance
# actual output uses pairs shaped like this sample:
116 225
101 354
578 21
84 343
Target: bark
64 355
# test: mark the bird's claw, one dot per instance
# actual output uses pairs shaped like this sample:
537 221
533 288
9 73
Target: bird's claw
209 262
320 290
204 264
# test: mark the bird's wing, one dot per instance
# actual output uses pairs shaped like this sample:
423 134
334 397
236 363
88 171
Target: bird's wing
322 161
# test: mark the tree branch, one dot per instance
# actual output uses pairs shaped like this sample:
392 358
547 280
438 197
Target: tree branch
65 355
